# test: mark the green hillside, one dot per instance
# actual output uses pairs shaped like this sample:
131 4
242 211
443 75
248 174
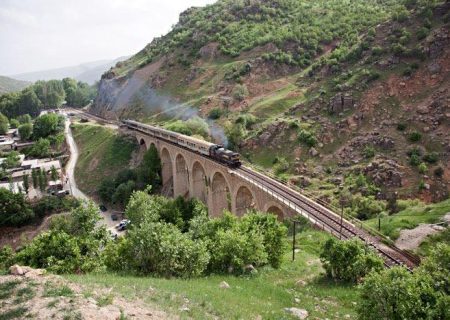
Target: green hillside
12 85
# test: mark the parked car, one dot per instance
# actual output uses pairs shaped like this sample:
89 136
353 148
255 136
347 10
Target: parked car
114 217
122 225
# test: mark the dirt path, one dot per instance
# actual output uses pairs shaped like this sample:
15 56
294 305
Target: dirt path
410 239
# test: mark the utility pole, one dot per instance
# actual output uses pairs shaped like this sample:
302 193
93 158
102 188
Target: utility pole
293 242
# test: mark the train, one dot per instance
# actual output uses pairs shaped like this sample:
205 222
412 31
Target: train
215 151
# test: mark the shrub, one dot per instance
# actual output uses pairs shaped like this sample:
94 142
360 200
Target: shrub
14 123
4 124
414 160
377 51
273 233
349 260
401 126
423 168
40 149
369 152
307 138
281 166
161 248
215 113
239 92
7 257
432 157
415 136
25 131
48 124
247 120
422 33
14 210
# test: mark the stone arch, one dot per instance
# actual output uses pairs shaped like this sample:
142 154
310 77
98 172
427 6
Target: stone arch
244 200
199 182
275 209
181 183
166 172
142 143
220 194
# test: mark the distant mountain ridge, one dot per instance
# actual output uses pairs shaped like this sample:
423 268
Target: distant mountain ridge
8 84
87 72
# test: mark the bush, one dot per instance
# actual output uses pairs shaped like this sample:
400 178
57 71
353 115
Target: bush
349 260
281 166
422 33
369 152
41 149
215 113
401 126
432 157
13 123
423 168
307 138
48 124
239 92
247 120
14 210
7 257
439 172
396 293
273 233
415 136
4 124
25 131
161 248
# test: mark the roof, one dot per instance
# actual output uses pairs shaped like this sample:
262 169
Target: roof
16 186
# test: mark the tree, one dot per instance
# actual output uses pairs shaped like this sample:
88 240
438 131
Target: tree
40 149
14 123
35 178
24 118
14 210
150 168
26 183
54 173
28 103
4 124
12 160
25 131
123 192
48 124
349 260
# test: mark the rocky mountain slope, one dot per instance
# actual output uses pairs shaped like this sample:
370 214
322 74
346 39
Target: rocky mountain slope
11 85
325 93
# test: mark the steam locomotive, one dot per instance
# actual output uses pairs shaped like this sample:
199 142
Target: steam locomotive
214 151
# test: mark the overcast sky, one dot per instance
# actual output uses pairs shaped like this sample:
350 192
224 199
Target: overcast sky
44 34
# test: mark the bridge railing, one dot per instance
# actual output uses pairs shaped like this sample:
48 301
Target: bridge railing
325 204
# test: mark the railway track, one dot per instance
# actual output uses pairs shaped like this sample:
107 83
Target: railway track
331 222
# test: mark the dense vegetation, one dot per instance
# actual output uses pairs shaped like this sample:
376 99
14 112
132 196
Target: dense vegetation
11 85
297 29
118 190
46 95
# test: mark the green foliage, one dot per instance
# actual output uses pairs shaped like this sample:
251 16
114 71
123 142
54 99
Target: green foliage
281 165
73 243
369 152
215 113
349 260
162 249
366 207
54 204
78 94
4 124
24 118
401 126
193 126
239 92
247 120
48 124
6 257
423 168
41 149
14 210
415 136
123 192
398 294
422 33
431 157
12 160
307 138
14 123
25 131
235 134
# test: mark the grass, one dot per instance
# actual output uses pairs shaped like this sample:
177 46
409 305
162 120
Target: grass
102 154
431 241
24 294
411 217
16 313
105 300
6 288
265 294
50 290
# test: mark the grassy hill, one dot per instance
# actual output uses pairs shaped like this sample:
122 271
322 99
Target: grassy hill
11 85
102 153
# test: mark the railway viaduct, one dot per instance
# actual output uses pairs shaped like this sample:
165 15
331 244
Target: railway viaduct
191 175
188 174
